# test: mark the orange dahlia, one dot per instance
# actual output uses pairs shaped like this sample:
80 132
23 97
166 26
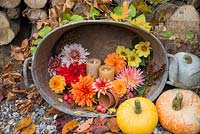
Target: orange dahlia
57 83
116 61
119 87
83 92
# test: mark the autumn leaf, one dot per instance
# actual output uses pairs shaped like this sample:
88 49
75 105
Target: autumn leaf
112 125
25 122
69 126
93 13
140 21
29 130
84 126
124 12
44 31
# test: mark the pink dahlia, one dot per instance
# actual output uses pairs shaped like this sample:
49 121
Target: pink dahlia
132 77
72 73
101 85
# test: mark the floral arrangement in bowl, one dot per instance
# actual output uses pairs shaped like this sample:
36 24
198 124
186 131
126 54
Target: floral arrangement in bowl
85 82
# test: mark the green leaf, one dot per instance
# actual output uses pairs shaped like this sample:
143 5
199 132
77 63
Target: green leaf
65 16
189 35
44 31
32 50
117 10
166 34
142 89
142 63
93 12
37 41
75 18
198 119
132 11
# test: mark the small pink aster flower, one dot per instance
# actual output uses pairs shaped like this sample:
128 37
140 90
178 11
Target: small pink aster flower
102 85
132 77
73 53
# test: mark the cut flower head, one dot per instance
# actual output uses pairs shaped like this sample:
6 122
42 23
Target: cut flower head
116 61
133 59
73 53
82 91
143 49
57 83
119 87
122 52
72 73
102 85
132 76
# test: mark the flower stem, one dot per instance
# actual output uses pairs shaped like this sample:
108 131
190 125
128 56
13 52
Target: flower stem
137 109
177 102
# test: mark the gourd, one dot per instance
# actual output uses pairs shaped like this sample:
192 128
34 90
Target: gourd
179 111
137 116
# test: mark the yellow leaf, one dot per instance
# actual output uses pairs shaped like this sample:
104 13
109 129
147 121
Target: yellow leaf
125 10
22 124
116 17
69 126
29 130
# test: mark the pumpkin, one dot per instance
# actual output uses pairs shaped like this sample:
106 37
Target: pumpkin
137 116
179 111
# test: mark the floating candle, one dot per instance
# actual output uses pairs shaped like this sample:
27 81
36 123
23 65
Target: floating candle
92 66
107 72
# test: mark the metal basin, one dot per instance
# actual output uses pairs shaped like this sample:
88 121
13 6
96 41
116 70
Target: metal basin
100 38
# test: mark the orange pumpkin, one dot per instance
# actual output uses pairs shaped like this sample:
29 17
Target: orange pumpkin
179 111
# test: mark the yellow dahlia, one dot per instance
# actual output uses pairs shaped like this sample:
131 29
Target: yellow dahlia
57 83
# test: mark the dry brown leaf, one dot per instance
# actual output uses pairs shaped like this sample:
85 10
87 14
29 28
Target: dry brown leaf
23 123
52 111
29 130
85 126
10 96
8 67
112 125
69 126
69 3
101 5
22 52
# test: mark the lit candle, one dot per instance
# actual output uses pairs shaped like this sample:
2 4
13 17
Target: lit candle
107 72
92 67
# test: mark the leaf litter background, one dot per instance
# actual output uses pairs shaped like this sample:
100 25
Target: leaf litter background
24 109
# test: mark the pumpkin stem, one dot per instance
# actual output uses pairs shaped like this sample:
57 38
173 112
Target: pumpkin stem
177 102
137 109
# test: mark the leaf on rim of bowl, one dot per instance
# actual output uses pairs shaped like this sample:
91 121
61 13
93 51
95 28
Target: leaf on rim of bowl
44 31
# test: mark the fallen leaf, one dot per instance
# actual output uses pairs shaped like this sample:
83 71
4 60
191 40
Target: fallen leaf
84 126
166 34
61 120
52 111
29 130
10 96
69 126
98 123
22 124
189 35
112 125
